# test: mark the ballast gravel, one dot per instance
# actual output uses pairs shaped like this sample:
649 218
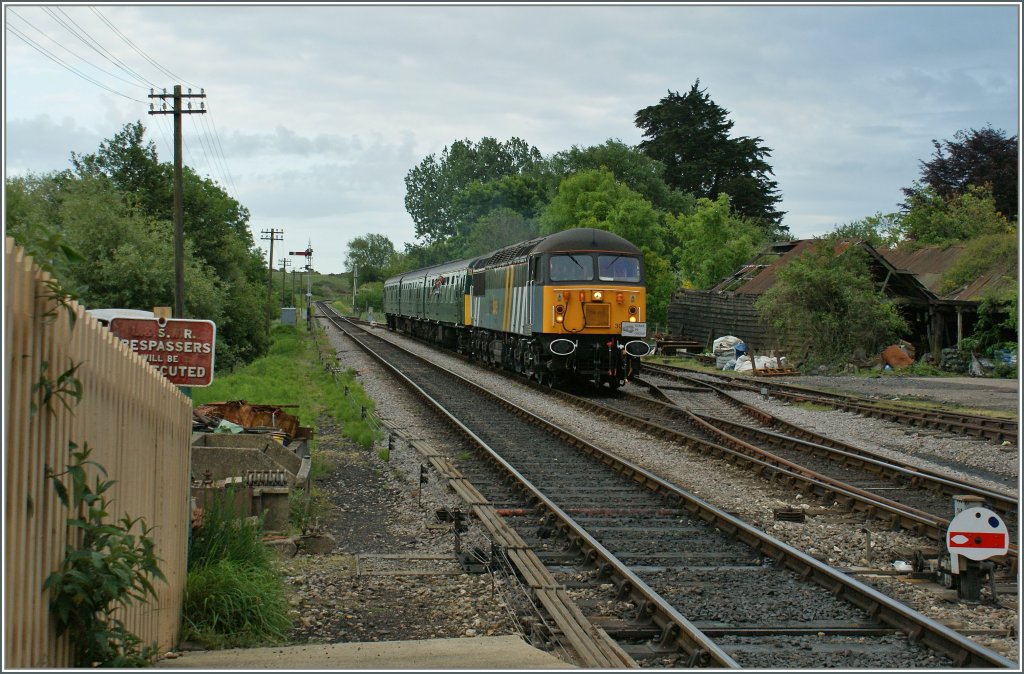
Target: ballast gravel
395 529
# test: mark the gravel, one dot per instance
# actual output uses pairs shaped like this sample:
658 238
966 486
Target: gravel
381 508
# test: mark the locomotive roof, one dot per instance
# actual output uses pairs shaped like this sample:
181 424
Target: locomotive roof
583 239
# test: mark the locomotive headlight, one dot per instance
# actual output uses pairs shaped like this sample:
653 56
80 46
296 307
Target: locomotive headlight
558 318
632 319
598 295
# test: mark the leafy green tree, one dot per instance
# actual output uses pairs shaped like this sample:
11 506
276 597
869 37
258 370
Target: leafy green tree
931 219
370 255
828 304
115 209
370 295
500 227
881 230
974 158
216 229
689 134
712 242
629 165
523 194
596 199
434 186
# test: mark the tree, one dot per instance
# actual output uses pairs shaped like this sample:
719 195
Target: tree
116 207
434 186
499 228
370 255
712 242
930 219
974 159
689 135
629 165
881 230
827 303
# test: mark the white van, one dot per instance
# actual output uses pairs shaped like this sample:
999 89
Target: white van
104 316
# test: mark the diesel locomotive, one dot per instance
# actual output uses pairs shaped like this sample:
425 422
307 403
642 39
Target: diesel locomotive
560 309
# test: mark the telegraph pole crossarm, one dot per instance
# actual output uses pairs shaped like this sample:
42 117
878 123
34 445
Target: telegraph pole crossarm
179 209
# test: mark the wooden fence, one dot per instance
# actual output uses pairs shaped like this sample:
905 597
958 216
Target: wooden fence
139 427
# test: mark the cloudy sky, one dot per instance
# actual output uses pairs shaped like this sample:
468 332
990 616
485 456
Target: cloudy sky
317 112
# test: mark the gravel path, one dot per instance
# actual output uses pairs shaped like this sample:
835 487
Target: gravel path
382 509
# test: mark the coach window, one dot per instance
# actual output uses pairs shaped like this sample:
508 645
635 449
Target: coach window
618 268
571 268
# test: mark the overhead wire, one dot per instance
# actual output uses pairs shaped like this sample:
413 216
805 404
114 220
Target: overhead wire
210 145
138 50
42 50
75 54
90 42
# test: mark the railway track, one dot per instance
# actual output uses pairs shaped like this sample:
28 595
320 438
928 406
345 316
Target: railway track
996 429
704 418
658 564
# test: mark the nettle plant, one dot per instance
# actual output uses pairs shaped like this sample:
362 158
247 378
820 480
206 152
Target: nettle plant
106 568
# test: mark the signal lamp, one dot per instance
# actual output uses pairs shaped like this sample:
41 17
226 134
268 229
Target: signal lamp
583 296
618 297
598 295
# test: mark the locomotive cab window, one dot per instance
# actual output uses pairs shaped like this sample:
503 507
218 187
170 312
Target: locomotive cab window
618 268
571 268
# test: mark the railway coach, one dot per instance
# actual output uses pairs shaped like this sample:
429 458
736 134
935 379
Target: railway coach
565 308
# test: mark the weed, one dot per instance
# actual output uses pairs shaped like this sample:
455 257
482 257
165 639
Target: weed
109 568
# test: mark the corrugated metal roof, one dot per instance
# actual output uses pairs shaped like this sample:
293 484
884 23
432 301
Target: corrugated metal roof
766 279
928 264
924 265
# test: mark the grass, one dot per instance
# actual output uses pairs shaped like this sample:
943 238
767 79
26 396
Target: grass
234 595
291 375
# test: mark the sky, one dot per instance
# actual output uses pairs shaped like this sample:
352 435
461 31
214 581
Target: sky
316 112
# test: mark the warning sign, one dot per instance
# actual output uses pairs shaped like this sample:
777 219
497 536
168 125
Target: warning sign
182 350
977 533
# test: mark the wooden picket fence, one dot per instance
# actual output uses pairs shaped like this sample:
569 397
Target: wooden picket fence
137 424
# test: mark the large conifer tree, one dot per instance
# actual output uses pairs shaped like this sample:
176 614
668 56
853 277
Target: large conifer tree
689 134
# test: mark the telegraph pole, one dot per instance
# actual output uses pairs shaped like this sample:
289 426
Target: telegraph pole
271 235
285 263
179 208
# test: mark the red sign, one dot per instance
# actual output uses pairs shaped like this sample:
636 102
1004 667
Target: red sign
182 350
977 533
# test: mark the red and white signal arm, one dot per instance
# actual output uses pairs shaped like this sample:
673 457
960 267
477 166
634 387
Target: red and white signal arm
182 350
977 533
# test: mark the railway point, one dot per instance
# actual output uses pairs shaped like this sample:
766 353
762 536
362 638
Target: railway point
476 653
